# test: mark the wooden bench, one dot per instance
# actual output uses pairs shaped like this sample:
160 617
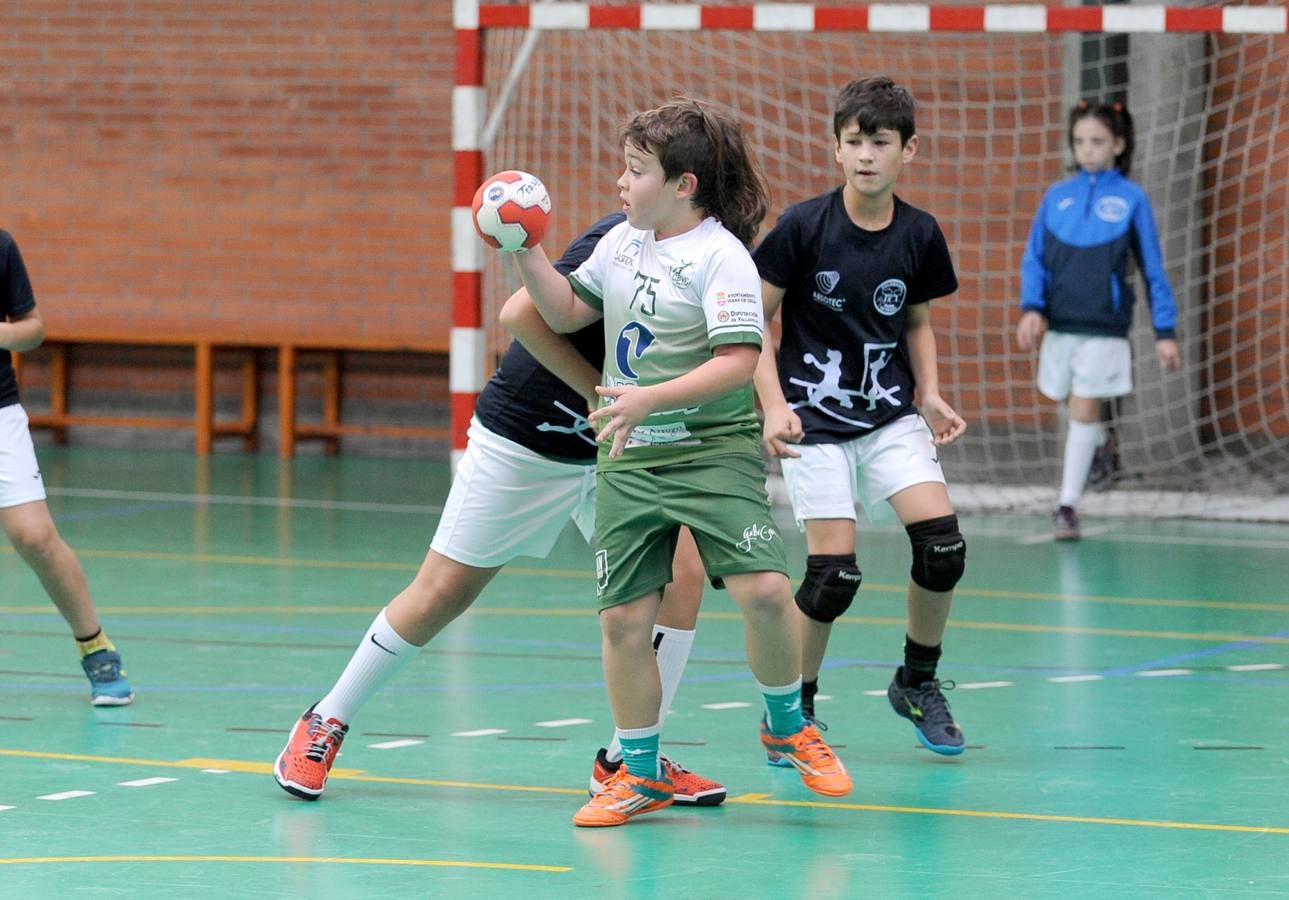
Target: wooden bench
206 427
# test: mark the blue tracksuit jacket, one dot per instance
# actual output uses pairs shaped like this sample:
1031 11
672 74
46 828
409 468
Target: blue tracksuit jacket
1075 265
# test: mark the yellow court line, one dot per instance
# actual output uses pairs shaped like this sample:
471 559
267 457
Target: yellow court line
360 861
1219 637
764 800
750 799
587 574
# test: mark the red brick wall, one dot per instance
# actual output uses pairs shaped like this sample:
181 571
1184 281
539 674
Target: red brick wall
231 165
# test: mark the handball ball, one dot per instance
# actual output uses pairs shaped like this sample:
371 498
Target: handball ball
512 210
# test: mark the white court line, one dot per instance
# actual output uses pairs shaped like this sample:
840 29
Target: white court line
560 723
737 704
145 782
979 685
241 500
66 795
1255 667
394 745
3 808
1071 679
874 693
216 771
1164 673
819 697
482 732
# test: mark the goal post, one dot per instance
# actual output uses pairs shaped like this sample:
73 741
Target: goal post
548 84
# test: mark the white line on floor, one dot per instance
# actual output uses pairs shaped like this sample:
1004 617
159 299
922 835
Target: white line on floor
66 795
737 704
560 723
145 782
394 745
1071 679
1163 673
482 732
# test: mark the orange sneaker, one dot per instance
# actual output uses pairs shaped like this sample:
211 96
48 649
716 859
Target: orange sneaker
692 789
814 760
624 795
302 766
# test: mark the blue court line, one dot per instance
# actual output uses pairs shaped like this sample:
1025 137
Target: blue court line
1180 658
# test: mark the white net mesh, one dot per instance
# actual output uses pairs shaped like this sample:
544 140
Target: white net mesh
1212 151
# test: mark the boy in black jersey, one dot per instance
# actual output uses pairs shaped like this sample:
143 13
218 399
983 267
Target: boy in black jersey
529 467
24 514
855 270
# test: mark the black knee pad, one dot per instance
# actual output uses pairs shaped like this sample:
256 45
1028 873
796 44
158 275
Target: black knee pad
829 586
939 553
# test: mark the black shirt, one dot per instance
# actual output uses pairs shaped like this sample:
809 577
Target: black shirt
526 403
16 300
843 359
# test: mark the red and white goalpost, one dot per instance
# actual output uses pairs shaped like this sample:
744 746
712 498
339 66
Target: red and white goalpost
544 87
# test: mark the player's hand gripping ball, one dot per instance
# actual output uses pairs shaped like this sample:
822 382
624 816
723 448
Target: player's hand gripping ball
512 210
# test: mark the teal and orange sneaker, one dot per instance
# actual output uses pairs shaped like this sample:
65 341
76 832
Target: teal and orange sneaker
108 684
302 766
691 789
623 796
927 709
814 760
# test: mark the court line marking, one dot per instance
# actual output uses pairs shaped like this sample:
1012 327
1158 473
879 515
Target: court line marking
748 799
394 745
244 500
66 795
145 782
339 860
587 574
764 800
894 621
561 723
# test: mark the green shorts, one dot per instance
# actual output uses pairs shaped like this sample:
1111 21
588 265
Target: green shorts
638 514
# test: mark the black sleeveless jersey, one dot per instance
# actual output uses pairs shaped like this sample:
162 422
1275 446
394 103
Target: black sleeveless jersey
16 300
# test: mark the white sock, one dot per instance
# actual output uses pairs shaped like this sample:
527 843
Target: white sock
1081 443
671 646
381 655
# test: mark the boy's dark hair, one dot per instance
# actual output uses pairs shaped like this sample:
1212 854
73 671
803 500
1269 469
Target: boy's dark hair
874 104
1114 116
689 136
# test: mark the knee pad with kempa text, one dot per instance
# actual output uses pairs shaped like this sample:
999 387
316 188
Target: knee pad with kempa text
829 586
939 553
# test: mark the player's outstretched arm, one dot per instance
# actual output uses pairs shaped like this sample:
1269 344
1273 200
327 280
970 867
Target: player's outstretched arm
946 424
554 351
24 333
551 292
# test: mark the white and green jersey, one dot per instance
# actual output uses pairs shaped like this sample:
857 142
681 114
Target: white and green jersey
666 305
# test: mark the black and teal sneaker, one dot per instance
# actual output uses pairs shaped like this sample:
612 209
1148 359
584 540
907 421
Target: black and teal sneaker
108 684
927 709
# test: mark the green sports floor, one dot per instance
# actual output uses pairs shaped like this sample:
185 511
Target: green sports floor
1125 701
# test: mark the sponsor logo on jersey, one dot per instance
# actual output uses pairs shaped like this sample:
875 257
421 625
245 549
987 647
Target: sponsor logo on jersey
888 299
601 571
633 340
825 283
1111 209
626 257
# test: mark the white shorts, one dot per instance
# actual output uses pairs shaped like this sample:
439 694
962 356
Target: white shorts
828 478
20 480
507 501
1084 365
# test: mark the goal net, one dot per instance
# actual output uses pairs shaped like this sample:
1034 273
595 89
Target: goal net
993 87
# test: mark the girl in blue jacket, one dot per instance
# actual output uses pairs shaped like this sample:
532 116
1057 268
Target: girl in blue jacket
1075 296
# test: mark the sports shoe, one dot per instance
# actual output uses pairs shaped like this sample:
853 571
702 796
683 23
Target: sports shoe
1106 469
691 789
624 795
302 766
927 709
819 767
108 685
1065 524
777 759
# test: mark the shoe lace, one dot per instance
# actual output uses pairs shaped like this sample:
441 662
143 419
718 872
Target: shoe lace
670 764
106 668
933 703
812 746
324 734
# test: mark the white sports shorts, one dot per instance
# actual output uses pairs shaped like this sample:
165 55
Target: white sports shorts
20 480
507 501
828 478
1084 365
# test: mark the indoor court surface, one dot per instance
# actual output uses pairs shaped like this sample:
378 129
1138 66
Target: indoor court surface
1123 698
